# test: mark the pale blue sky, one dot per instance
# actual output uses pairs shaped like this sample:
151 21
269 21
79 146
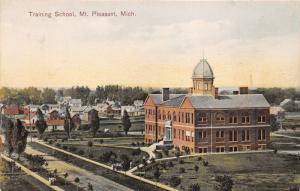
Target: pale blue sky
158 47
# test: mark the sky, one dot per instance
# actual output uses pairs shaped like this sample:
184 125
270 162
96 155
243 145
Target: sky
250 43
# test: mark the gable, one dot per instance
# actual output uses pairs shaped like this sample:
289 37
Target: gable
149 101
186 103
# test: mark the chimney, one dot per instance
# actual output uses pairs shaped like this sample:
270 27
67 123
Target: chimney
216 93
235 92
243 90
165 94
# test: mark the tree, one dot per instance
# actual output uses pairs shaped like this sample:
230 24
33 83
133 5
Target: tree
194 187
90 187
94 121
65 177
126 122
175 181
125 162
68 123
9 136
77 180
20 138
48 96
224 183
196 168
90 145
40 123
156 173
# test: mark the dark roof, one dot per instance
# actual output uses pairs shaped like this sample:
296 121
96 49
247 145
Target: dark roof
229 101
157 98
223 102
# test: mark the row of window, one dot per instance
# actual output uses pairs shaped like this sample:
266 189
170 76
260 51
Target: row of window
202 118
222 149
233 135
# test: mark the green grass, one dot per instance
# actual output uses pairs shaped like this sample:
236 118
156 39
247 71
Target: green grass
251 171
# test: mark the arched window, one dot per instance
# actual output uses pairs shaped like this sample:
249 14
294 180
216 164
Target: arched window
174 116
202 117
169 115
159 114
220 118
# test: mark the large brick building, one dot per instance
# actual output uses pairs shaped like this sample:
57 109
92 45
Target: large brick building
203 121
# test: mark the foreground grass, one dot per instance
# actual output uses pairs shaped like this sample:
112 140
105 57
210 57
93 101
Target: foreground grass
251 171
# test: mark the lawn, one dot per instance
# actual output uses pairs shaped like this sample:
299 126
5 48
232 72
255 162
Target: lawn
284 143
251 171
96 152
19 182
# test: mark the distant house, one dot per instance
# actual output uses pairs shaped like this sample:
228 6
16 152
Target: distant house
275 110
76 120
12 111
132 110
30 119
53 114
138 103
75 103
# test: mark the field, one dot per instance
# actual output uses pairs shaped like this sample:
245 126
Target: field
284 143
250 172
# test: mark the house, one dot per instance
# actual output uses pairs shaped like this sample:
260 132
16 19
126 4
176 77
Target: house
53 114
76 120
13 111
203 121
132 110
75 103
275 110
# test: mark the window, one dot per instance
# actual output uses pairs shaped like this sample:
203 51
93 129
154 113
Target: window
203 150
164 115
159 114
245 119
233 149
220 134
179 117
174 133
182 117
205 86
233 119
233 135
192 118
187 118
220 118
261 134
174 116
220 149
169 115
202 134
261 119
202 118
245 135
159 130
182 135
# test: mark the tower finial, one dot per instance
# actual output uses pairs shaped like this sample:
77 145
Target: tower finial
203 53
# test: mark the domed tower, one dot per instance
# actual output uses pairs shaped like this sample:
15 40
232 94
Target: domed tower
203 79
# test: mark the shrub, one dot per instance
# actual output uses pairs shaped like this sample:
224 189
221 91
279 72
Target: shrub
177 154
50 142
294 188
152 160
163 165
45 139
101 141
170 164
90 143
181 161
81 152
143 143
73 149
136 152
138 143
275 151
166 152
158 155
194 187
175 181
107 156
125 162
65 147
182 170
133 144
57 145
156 173
205 163
196 168
224 183
91 155
199 158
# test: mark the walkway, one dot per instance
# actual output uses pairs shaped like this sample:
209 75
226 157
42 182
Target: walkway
98 182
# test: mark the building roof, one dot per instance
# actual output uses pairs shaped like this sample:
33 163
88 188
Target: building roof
157 98
223 102
203 70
